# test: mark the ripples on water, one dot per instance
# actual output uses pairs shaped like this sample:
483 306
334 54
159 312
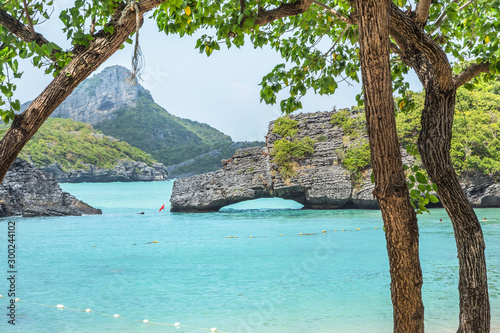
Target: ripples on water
231 269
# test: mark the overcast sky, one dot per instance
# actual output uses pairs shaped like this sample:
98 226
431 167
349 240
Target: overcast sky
221 90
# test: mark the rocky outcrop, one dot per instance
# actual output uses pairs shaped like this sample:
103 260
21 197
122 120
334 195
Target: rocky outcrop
245 176
30 192
124 171
320 181
97 98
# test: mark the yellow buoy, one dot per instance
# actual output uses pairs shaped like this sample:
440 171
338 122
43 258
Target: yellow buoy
251 236
358 228
375 227
323 231
300 234
281 235
342 229
235 236
335 230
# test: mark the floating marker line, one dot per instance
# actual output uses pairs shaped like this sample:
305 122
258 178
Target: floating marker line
117 316
215 239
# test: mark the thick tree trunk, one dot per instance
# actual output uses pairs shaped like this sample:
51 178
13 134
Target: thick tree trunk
85 61
434 147
431 64
399 216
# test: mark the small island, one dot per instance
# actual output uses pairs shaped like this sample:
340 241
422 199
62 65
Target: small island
27 191
320 160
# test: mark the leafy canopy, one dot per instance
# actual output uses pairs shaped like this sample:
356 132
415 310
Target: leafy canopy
318 41
319 46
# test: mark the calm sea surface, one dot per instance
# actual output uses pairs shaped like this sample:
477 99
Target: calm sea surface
174 267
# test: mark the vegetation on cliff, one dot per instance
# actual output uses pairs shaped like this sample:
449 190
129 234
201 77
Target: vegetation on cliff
355 156
73 144
288 150
475 145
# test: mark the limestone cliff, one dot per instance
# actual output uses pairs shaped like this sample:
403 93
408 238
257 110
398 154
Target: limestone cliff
30 192
98 97
320 180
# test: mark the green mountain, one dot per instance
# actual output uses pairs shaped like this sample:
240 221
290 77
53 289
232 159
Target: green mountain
122 108
168 138
73 144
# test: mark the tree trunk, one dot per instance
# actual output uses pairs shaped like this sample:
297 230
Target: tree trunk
391 189
434 148
85 61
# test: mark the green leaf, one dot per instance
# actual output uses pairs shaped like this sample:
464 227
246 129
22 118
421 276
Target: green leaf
433 198
421 178
16 105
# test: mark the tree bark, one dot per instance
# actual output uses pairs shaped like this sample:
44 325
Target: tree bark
391 189
431 64
434 147
84 62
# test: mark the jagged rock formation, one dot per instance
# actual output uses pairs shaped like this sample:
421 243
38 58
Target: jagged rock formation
98 97
246 175
125 171
30 192
321 182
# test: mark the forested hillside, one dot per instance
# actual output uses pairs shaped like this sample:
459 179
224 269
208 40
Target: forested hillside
476 131
170 139
74 144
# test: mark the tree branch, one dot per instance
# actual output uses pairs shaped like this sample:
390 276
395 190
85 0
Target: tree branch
334 12
22 32
422 12
285 10
80 67
470 72
416 36
92 26
28 18
442 17
337 41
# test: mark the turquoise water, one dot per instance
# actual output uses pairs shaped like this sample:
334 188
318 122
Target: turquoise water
195 275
